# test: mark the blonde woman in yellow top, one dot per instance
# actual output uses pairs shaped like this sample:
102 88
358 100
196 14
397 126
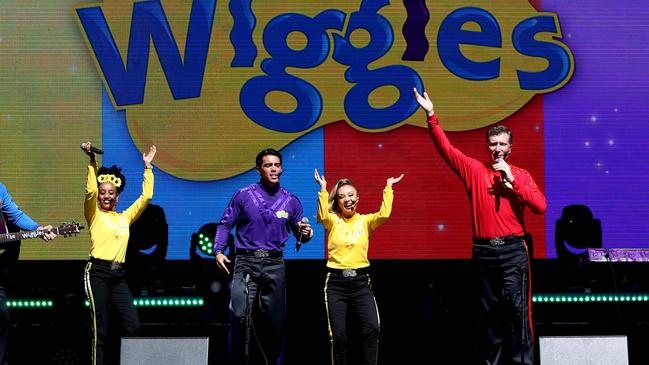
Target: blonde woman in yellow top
348 287
105 275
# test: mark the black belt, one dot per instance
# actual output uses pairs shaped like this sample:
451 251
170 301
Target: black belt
349 273
260 253
114 265
498 241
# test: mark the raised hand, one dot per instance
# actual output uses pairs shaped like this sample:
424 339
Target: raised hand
424 102
320 180
85 147
148 157
393 180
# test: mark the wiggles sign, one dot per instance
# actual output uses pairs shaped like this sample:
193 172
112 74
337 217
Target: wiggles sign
267 72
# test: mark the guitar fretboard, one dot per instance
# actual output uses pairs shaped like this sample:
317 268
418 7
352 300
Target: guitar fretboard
8 237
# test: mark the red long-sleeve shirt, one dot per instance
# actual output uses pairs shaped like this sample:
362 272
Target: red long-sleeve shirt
496 211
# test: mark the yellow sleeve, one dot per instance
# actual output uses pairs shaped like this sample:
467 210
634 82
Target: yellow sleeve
324 215
90 204
376 219
138 206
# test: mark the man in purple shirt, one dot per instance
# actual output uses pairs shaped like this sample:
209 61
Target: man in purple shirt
264 215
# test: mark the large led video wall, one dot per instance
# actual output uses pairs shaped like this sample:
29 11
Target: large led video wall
211 83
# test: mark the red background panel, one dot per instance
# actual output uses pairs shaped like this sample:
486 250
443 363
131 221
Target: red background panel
430 216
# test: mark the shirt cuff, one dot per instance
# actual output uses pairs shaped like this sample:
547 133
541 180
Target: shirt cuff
433 121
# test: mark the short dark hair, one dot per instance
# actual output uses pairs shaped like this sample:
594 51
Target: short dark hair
499 129
266 152
113 170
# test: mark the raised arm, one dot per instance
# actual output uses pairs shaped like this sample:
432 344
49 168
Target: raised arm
456 159
90 203
138 206
323 199
376 219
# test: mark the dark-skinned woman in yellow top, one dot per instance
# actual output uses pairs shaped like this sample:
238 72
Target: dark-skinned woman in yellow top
105 275
348 287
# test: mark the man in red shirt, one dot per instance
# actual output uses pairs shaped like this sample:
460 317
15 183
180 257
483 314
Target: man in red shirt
498 194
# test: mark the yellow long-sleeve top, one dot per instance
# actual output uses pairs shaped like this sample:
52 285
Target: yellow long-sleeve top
348 238
109 231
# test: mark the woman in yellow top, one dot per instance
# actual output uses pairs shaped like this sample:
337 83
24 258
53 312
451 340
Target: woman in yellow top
105 276
348 286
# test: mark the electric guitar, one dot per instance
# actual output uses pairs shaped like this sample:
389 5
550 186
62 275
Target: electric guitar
65 230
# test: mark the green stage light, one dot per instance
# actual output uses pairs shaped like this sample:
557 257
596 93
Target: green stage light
590 298
167 302
204 239
30 303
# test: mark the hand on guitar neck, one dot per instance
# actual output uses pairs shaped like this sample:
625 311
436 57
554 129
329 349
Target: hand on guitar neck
47 233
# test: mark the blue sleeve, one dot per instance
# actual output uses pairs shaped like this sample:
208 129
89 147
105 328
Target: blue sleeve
227 222
13 213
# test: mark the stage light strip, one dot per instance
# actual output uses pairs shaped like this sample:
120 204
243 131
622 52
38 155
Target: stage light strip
590 298
167 302
30 303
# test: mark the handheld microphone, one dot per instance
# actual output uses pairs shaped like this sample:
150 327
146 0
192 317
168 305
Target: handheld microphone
96 150
503 175
298 243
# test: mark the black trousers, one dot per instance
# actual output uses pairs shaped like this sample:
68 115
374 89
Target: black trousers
352 295
257 310
505 303
105 287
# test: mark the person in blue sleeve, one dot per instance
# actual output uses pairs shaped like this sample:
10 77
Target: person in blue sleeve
14 217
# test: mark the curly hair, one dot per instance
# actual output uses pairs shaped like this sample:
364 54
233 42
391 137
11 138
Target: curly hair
115 171
333 195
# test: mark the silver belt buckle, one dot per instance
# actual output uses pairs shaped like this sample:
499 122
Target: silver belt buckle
349 273
115 265
260 254
498 241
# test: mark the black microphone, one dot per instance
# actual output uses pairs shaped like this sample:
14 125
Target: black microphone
503 174
298 243
96 150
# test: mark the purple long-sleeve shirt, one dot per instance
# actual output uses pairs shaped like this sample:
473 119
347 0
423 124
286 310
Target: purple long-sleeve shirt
263 218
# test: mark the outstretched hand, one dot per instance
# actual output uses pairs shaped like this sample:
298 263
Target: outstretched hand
320 180
148 157
424 102
393 180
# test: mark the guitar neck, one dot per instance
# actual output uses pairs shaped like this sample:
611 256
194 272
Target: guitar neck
22 235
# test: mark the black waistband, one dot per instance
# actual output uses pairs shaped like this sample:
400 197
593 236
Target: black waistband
498 241
260 253
349 272
114 265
